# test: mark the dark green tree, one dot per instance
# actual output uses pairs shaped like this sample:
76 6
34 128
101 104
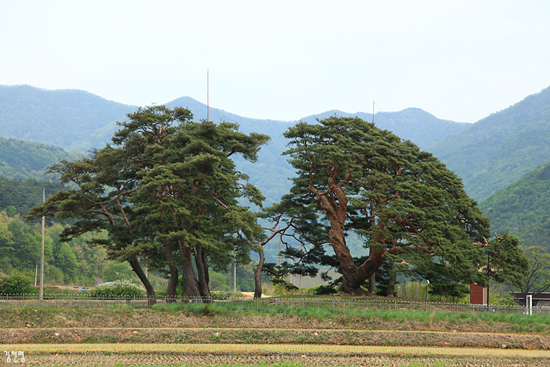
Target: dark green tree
166 185
506 261
15 283
403 201
537 280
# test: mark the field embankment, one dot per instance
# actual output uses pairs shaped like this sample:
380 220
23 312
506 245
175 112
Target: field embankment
502 340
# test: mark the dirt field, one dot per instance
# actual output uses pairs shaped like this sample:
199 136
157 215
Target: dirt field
53 330
304 355
274 336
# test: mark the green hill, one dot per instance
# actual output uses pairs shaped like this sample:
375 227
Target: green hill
523 208
24 194
77 120
63 118
499 149
24 159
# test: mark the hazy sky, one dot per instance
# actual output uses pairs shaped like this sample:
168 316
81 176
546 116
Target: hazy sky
459 60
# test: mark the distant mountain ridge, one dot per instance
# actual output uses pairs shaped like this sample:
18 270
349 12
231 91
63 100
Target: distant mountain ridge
22 159
497 150
60 117
77 120
522 208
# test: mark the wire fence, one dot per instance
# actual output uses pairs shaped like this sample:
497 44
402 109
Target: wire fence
264 304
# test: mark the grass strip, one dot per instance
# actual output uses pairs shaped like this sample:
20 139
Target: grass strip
400 315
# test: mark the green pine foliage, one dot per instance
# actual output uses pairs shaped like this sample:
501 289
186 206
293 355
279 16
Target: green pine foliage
404 202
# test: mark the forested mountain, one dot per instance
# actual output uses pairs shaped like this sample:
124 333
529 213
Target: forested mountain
25 159
63 118
499 149
77 120
24 194
523 208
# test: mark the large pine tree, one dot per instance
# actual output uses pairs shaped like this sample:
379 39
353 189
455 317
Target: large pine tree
166 192
405 203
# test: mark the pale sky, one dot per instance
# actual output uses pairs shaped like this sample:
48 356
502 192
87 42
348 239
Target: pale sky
459 60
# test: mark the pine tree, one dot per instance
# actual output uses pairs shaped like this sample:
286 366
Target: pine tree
404 202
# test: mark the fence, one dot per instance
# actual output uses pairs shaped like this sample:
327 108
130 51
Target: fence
264 304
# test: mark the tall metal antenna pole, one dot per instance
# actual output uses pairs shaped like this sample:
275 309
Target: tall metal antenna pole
373 111
41 291
207 95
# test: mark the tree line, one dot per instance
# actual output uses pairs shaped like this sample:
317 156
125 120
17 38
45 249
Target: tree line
168 196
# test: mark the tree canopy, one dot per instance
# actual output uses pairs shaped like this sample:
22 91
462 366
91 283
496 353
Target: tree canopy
405 203
166 186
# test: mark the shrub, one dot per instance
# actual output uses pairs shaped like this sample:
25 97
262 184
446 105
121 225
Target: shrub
16 283
118 288
218 282
324 290
118 271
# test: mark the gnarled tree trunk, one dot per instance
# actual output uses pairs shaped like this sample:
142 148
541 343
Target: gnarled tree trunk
202 270
334 203
136 267
258 274
174 275
190 287
393 278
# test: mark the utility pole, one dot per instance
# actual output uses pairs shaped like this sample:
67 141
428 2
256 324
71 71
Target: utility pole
488 277
41 291
280 249
235 270
207 95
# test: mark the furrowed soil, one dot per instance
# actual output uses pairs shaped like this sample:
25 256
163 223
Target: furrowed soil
129 326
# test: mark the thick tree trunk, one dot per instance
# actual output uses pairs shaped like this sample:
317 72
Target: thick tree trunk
190 287
174 275
258 274
206 271
202 271
372 284
354 276
334 203
172 283
136 267
393 277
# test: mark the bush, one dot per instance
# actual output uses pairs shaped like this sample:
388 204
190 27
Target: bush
118 271
118 288
16 283
324 290
218 282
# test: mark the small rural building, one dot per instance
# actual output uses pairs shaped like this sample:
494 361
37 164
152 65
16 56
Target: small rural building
478 295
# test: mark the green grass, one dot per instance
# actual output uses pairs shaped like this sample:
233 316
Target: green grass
522 322
516 321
